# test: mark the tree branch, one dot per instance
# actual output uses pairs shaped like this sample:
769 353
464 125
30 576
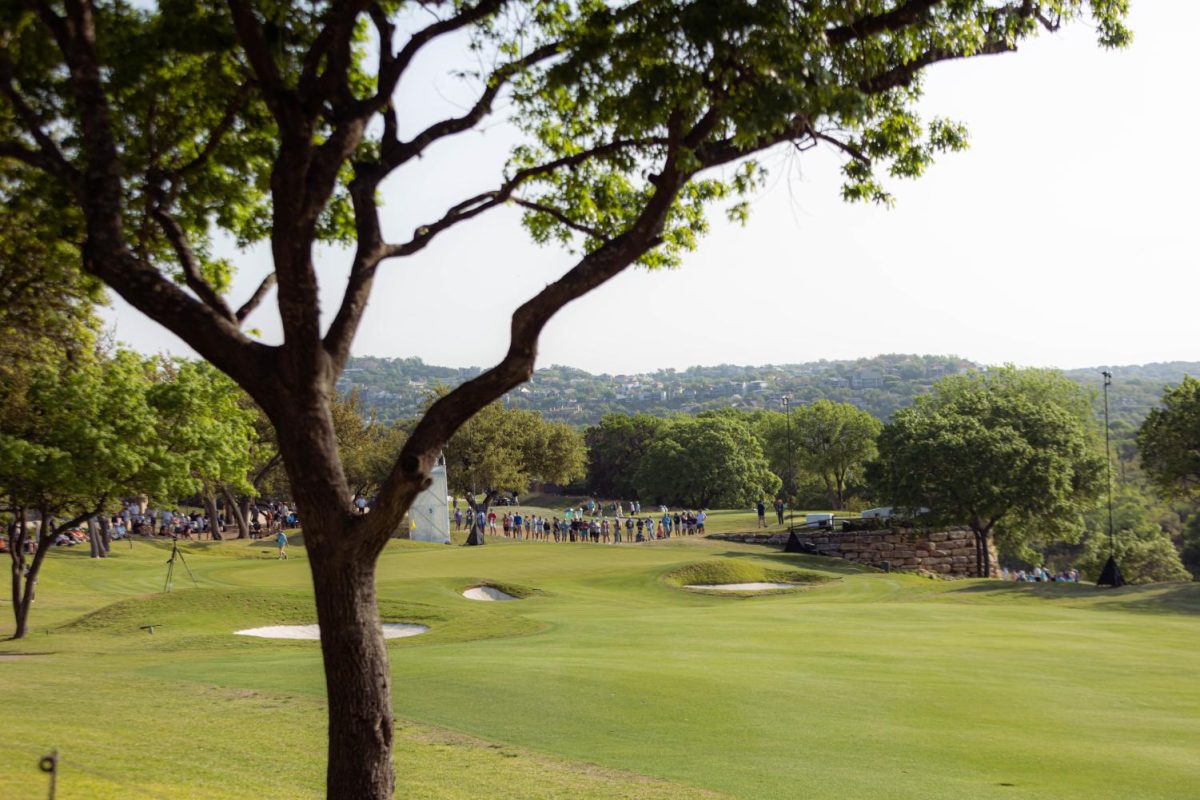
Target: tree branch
280 98
409 474
560 216
52 159
106 253
236 103
255 299
473 206
189 263
901 16
904 75
396 153
426 35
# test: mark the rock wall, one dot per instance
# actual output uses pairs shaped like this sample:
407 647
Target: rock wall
948 553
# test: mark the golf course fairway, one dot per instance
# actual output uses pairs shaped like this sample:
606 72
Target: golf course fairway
606 680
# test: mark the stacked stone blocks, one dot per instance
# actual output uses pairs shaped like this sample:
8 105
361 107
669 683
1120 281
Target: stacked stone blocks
948 552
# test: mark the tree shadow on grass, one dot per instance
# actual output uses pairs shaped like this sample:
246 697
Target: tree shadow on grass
1172 598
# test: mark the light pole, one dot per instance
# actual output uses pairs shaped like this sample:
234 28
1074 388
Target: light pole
787 408
1111 574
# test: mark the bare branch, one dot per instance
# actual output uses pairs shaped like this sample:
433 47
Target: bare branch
845 147
396 153
256 299
188 262
367 256
426 35
473 206
905 74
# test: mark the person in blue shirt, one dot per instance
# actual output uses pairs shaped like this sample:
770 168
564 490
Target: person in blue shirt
281 540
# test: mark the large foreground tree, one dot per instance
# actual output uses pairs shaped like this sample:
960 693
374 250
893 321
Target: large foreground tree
161 124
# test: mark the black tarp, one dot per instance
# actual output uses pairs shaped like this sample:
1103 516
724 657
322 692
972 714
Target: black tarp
794 545
1111 574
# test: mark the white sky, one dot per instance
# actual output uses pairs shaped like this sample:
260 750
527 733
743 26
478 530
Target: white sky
1065 236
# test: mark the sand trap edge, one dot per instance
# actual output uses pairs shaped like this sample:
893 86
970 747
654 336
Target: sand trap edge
391 630
487 594
742 587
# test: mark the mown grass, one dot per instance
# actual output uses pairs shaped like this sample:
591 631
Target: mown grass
608 681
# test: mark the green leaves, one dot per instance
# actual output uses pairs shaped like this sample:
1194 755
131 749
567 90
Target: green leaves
1169 440
1014 448
504 449
713 460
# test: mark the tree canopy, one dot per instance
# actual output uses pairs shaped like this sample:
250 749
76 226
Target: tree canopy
713 460
502 450
1169 440
1015 451
615 449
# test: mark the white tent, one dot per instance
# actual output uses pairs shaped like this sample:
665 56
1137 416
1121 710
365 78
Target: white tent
429 517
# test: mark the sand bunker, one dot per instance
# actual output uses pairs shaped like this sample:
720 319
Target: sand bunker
741 587
487 593
391 630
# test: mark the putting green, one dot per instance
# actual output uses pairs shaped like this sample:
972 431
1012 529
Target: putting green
608 680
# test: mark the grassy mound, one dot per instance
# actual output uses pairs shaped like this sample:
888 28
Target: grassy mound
716 573
517 590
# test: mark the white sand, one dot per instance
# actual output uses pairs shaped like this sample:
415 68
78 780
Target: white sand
391 630
742 587
487 593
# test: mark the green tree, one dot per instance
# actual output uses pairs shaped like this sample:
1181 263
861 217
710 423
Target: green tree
503 449
615 447
88 436
705 461
1010 451
367 445
834 442
1142 548
1169 440
203 419
160 125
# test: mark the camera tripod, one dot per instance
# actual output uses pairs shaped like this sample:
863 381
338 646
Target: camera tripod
177 553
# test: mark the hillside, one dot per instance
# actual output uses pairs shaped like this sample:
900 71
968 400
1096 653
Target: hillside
397 387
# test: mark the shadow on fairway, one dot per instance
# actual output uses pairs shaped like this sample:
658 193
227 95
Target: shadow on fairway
1176 598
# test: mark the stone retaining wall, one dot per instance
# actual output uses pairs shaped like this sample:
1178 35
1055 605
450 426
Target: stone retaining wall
949 553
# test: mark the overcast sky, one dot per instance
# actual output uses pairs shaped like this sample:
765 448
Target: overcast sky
1065 236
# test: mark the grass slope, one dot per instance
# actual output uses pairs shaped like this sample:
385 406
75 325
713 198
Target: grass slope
608 680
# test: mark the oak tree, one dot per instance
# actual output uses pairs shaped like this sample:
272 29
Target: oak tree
1009 451
161 124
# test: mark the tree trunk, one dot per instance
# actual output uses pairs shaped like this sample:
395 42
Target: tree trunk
16 553
239 519
214 518
357 680
93 530
105 536
985 552
475 538
22 605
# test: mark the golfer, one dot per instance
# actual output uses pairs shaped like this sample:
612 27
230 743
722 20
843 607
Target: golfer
281 540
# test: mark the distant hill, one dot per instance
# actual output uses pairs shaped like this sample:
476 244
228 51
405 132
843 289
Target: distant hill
398 387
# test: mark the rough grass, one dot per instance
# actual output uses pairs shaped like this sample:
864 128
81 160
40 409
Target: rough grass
610 682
